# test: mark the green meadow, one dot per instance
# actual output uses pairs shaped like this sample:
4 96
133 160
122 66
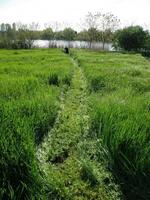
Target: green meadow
30 86
119 99
74 127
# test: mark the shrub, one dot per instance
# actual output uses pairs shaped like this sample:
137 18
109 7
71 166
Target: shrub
132 38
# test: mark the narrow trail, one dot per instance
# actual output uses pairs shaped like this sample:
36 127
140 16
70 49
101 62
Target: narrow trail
66 155
56 155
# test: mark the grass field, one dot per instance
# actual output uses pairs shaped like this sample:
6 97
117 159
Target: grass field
74 127
120 114
30 86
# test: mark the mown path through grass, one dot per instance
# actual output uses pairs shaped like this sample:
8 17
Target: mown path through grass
58 149
69 171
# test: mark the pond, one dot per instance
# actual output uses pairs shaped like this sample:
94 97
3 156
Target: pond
71 44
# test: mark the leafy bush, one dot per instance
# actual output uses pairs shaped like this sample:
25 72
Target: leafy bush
132 38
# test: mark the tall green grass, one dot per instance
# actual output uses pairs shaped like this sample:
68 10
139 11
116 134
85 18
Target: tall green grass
120 114
29 100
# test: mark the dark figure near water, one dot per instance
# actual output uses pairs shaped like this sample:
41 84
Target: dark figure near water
66 50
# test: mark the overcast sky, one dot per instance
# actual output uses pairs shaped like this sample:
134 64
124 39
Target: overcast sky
72 11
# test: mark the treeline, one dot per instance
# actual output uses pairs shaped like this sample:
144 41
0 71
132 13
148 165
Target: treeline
12 36
97 27
17 36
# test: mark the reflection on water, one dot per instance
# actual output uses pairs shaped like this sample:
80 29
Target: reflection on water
71 44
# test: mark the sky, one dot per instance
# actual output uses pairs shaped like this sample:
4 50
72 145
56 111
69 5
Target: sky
72 12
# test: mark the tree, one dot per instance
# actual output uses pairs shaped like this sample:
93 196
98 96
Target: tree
147 42
101 26
91 24
93 35
31 33
22 36
82 36
9 35
58 35
69 34
26 34
107 24
47 34
14 32
18 35
6 35
131 38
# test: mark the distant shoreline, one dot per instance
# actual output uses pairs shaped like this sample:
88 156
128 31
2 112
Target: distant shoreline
71 44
